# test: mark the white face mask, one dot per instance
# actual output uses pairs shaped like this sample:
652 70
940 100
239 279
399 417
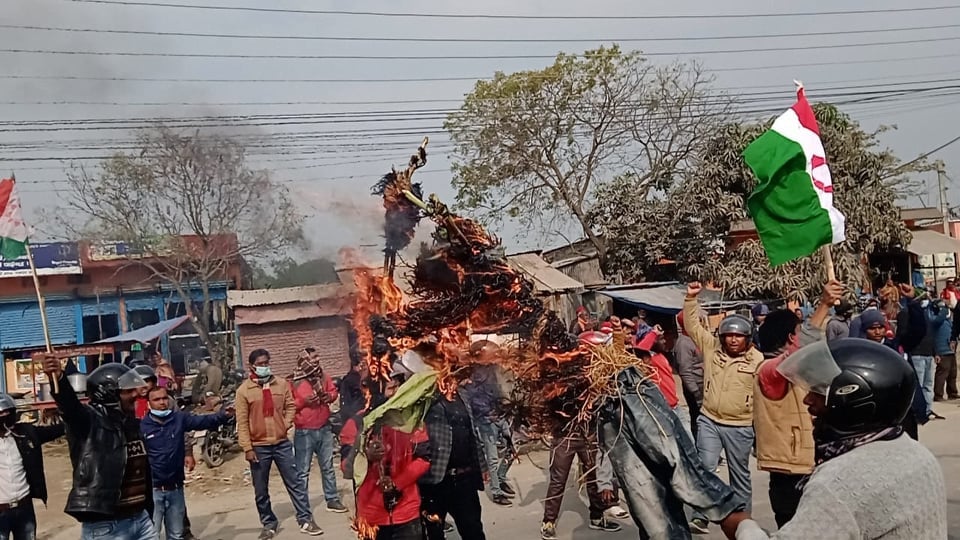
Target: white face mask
924 303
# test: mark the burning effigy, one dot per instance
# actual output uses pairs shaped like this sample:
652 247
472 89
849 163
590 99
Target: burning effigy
461 285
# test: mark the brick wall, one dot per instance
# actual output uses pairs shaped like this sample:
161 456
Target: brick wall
286 339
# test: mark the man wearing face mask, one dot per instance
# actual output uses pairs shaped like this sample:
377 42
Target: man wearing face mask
163 430
265 413
111 489
871 481
725 423
21 471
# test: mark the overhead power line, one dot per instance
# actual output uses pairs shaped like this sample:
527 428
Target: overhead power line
476 40
422 101
518 17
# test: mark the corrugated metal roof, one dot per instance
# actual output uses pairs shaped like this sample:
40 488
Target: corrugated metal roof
265 297
545 277
906 214
669 298
926 242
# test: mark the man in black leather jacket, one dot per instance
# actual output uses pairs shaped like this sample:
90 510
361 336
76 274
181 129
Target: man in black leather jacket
111 494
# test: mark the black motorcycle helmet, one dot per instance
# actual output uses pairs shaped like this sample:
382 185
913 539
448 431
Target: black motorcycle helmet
146 372
8 411
873 391
106 382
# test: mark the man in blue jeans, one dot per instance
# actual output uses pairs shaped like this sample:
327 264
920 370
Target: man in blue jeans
918 338
313 393
163 430
265 411
483 395
110 496
730 364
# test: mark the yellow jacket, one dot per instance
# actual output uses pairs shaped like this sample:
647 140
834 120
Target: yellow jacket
728 381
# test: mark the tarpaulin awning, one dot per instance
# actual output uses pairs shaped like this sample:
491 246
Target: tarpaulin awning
669 298
931 242
147 333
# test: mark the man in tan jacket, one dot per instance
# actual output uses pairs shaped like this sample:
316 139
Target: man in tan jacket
783 425
725 423
265 412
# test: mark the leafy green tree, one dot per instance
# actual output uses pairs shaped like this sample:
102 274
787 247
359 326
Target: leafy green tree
690 224
536 146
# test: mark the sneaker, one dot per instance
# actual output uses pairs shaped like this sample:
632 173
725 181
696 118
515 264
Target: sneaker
699 526
548 531
267 534
502 500
311 528
603 525
336 507
507 490
617 512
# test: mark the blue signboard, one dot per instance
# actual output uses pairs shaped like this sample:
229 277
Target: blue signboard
55 258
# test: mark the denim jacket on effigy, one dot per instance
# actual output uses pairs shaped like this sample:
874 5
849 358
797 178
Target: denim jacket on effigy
657 464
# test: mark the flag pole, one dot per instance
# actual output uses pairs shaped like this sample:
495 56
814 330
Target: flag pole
43 311
828 262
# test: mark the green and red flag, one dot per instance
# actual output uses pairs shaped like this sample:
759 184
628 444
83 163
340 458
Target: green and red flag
792 206
13 231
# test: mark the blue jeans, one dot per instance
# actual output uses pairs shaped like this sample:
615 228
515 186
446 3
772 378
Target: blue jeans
316 442
169 509
282 455
19 522
737 443
925 369
656 463
134 528
490 434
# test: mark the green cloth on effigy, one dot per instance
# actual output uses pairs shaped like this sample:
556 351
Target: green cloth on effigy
404 412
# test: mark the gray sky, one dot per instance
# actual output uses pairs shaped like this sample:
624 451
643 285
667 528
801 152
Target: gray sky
331 164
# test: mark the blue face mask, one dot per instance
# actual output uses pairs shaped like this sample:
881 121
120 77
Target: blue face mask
161 414
262 371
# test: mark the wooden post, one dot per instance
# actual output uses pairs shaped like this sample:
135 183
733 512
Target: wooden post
828 262
43 311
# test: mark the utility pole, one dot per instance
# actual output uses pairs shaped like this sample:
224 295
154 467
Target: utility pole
944 205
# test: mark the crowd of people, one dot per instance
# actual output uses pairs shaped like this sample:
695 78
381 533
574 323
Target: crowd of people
824 402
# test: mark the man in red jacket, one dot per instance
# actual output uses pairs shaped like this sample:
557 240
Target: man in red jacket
388 499
313 393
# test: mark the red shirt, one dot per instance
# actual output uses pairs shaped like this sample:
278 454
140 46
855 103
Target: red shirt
312 415
773 385
663 373
405 468
141 407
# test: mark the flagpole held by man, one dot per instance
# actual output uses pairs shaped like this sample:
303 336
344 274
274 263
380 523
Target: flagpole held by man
14 243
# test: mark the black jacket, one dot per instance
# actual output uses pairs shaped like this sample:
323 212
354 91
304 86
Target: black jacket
98 454
29 439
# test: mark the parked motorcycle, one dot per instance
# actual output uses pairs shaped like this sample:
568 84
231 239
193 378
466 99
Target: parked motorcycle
214 444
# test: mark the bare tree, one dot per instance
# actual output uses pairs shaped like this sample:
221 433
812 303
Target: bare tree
536 145
190 206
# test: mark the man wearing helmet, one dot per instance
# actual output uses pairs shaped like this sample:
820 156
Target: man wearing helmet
871 481
111 477
725 423
21 471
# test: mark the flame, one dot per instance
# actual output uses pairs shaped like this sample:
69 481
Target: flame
364 529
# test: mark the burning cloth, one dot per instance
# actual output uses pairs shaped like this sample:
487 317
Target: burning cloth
656 462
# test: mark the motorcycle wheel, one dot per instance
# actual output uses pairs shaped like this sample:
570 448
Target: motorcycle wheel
213 452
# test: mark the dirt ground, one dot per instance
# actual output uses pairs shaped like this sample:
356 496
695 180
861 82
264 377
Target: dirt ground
220 502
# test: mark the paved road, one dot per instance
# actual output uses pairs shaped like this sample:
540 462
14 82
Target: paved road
229 513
